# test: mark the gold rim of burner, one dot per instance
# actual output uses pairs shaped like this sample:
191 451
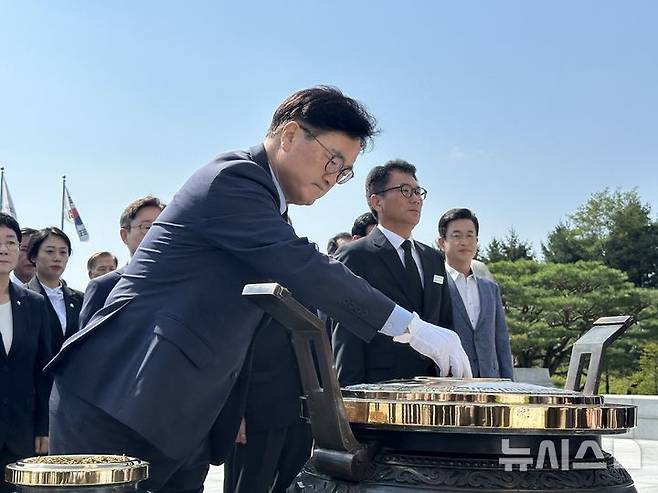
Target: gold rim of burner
434 416
472 397
76 470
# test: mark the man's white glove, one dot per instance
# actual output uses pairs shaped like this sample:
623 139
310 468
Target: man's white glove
442 345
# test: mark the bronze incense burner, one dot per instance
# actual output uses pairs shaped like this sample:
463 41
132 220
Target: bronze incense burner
453 435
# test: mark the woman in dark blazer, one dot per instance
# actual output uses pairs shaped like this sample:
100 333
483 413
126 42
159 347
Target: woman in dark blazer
24 351
49 251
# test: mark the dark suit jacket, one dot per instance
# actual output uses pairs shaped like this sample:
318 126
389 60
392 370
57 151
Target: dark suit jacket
487 346
73 304
24 388
374 259
165 354
96 293
274 385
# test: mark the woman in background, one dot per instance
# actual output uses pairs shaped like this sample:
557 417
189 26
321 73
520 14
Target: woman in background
49 251
24 350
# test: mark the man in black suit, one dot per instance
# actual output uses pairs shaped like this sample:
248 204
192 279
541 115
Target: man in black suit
276 442
169 352
24 271
134 222
101 263
24 351
410 273
337 241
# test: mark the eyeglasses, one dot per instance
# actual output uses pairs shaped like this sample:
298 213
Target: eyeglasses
468 237
344 174
407 191
10 245
143 227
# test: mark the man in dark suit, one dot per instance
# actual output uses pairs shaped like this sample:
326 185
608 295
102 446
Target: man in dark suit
153 369
477 307
337 241
24 350
134 222
276 441
410 273
24 271
100 263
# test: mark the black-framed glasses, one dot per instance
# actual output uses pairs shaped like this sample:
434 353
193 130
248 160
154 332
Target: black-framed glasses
407 191
343 174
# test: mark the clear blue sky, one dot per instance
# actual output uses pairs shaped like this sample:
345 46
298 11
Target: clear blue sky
519 110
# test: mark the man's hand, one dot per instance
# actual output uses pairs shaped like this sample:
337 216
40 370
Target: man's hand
442 345
241 437
41 445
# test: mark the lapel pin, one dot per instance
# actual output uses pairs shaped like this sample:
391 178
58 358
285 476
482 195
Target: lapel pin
18 303
71 305
438 279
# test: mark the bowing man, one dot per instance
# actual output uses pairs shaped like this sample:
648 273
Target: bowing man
169 352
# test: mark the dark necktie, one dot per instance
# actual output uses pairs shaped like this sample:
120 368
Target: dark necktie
413 277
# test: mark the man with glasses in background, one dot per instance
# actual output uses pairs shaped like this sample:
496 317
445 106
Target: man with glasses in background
25 270
135 221
477 307
410 273
169 353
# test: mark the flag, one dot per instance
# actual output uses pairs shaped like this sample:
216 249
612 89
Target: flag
74 216
7 206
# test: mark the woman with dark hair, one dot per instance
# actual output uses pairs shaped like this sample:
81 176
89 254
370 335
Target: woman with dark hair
24 351
49 251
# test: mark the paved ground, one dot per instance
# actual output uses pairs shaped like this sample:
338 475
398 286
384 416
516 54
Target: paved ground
639 457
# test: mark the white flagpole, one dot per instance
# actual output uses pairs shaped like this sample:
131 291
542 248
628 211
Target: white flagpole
63 200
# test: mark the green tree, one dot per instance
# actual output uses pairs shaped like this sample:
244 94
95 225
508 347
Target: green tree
494 252
510 248
548 306
646 380
614 228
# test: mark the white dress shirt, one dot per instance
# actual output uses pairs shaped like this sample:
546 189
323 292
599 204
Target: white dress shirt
6 325
13 278
283 207
56 297
468 290
399 319
396 240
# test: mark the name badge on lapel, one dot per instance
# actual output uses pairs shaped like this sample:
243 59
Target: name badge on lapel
438 279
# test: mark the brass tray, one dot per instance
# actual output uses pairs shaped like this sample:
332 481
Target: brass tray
482 405
76 470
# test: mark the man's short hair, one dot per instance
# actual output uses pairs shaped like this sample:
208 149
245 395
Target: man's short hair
453 215
378 177
27 232
332 245
135 206
40 236
326 109
91 263
11 223
362 223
